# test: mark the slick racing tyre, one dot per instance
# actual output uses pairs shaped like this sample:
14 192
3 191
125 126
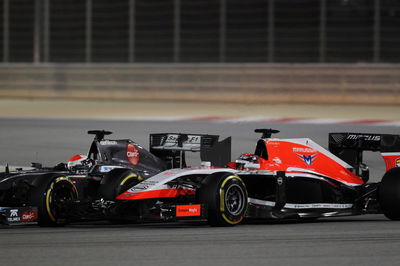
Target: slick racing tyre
389 194
116 182
225 196
51 195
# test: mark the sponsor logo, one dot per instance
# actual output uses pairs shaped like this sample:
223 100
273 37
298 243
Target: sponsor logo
13 216
277 160
168 173
138 188
194 139
14 219
29 216
398 162
142 186
133 154
105 169
306 150
170 140
108 142
22 215
365 137
108 168
188 210
308 159
14 213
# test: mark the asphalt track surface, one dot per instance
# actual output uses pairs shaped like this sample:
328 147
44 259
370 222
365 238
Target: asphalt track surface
362 240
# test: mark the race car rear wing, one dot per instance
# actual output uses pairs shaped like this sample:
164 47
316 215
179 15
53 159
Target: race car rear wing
171 147
350 146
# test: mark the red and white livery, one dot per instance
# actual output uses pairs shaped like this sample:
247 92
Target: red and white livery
282 179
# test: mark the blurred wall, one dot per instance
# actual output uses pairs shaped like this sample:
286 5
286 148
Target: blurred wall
244 83
316 51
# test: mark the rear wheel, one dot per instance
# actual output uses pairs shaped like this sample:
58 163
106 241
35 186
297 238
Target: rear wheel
52 196
389 194
225 196
117 182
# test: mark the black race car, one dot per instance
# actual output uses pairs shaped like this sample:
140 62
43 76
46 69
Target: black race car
86 187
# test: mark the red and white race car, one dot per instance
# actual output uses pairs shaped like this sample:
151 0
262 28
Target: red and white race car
282 179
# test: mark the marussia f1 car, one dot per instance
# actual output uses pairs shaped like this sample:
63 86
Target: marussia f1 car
87 186
282 179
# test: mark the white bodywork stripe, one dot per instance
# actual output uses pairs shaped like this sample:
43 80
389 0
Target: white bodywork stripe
312 144
159 181
390 153
303 206
294 171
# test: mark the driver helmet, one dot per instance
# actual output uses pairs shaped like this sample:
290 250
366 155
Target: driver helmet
250 157
79 162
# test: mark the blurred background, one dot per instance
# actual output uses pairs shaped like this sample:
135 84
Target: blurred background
247 51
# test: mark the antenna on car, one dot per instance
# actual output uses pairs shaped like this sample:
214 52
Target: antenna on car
99 134
266 132
7 170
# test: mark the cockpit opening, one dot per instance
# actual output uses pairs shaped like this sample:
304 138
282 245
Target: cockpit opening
261 149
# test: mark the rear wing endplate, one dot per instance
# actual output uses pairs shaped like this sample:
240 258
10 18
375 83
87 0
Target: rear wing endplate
171 147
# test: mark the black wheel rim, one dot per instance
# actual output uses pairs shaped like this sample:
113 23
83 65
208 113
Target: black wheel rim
234 199
61 195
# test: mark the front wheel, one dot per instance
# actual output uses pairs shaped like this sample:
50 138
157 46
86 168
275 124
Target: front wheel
389 194
51 195
225 196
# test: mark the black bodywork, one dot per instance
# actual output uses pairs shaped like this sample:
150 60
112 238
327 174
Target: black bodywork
105 157
104 154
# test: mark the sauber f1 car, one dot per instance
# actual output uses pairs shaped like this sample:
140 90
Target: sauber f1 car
282 179
87 186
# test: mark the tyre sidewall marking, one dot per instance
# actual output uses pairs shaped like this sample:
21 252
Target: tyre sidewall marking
222 199
230 221
139 178
48 201
118 190
49 195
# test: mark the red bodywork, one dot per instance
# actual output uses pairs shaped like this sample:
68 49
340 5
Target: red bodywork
392 159
300 156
